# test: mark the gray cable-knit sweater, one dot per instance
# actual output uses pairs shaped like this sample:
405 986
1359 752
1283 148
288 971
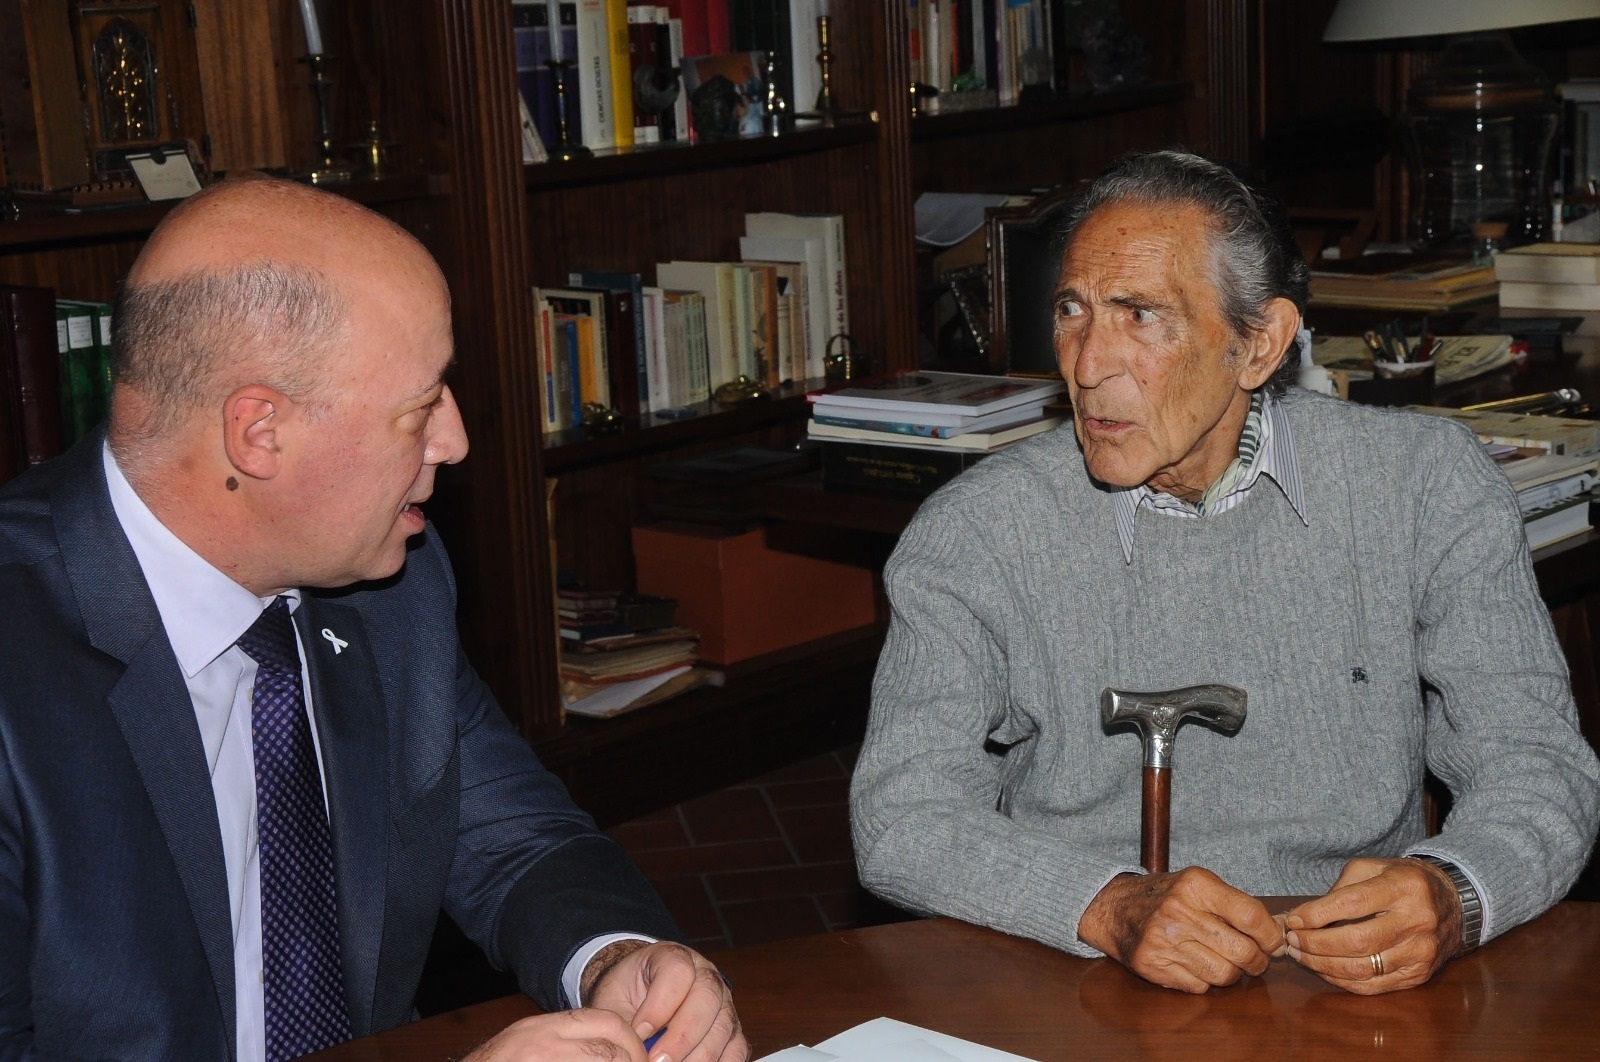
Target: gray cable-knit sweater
1013 607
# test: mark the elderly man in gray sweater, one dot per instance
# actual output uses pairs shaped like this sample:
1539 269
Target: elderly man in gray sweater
1360 572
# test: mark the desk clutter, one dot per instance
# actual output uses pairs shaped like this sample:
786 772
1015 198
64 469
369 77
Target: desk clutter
1550 276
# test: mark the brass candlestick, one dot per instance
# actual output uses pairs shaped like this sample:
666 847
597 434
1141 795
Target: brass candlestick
330 170
826 109
565 148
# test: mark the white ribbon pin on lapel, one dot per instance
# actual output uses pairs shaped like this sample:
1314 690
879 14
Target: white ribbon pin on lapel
338 643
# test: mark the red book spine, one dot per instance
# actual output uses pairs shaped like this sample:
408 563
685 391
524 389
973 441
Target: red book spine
719 29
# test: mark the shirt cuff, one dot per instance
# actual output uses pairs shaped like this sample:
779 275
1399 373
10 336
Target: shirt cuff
572 973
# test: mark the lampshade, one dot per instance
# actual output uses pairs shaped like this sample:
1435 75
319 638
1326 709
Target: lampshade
1367 20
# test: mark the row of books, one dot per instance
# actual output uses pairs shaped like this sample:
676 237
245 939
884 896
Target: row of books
1550 276
979 49
910 433
631 67
612 338
55 373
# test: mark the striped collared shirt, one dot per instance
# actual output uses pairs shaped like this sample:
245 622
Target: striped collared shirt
1274 457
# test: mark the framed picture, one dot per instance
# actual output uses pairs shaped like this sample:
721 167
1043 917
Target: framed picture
726 94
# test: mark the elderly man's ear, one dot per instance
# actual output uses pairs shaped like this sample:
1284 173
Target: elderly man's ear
254 420
1265 346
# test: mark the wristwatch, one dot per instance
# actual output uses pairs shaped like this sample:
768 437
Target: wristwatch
1471 905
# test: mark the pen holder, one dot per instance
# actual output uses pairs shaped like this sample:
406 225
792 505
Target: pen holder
1395 383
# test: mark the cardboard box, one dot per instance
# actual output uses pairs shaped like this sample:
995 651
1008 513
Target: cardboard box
745 598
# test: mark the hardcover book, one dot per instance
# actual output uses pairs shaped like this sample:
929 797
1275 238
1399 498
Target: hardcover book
1550 263
924 393
30 428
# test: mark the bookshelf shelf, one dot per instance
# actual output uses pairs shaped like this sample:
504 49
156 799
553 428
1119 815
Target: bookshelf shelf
90 226
791 704
1029 116
660 160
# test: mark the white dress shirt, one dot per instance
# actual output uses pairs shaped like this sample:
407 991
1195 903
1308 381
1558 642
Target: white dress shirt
205 613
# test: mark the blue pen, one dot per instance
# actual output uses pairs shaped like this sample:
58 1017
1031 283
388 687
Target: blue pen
651 1042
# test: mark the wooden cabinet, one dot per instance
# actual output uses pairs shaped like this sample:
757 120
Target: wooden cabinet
439 79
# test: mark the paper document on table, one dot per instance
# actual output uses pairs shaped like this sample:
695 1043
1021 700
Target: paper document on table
887 1040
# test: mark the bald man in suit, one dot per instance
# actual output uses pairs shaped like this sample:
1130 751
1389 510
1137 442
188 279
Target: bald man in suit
279 415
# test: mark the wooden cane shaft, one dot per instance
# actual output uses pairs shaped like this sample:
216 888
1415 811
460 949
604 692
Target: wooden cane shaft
1155 819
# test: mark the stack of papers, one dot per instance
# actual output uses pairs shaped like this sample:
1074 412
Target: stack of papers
887 1040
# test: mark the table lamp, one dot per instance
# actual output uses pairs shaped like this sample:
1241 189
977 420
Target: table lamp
1479 125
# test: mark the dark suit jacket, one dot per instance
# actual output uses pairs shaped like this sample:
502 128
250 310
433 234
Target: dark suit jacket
115 935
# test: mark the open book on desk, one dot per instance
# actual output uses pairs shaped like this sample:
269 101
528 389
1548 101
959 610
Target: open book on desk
888 1040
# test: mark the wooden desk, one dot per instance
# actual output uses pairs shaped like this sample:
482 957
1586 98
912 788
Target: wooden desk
1525 995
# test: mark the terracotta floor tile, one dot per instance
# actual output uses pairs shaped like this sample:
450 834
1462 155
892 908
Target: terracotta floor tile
824 766
711 858
762 920
818 835
737 814
645 835
737 886
821 792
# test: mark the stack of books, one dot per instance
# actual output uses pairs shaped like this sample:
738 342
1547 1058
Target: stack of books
1396 281
622 651
1551 461
1550 276
909 433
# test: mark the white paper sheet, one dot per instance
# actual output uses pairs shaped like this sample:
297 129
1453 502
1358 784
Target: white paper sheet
888 1040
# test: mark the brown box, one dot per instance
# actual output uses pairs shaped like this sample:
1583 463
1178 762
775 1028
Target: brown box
745 598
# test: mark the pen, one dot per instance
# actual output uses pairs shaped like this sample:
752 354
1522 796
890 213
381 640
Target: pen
651 1040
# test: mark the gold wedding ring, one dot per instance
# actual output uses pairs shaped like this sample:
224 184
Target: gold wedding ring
1377 964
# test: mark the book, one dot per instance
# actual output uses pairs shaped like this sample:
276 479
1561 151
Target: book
686 344
625 326
763 323
1394 280
602 701
620 69
587 310
644 57
1559 520
596 118
530 35
1528 295
926 393
30 375
809 253
75 329
904 471
715 282
1563 436
847 418
101 368
832 277
977 440
1550 263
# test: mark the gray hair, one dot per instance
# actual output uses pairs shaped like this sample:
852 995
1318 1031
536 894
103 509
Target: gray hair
1254 257
185 342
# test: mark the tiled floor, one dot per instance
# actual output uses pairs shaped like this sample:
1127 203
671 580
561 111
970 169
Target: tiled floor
760 861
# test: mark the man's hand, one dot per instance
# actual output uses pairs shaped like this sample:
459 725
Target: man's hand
664 984
1189 930
570 1036
1386 924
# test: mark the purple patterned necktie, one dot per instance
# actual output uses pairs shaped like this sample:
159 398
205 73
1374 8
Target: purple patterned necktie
305 1009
